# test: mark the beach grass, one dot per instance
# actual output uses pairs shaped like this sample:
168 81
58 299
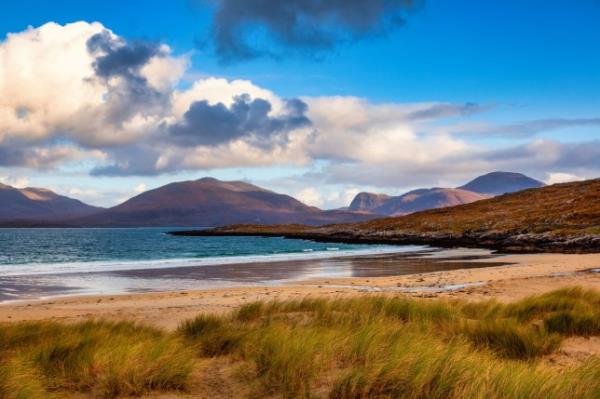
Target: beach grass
364 347
102 359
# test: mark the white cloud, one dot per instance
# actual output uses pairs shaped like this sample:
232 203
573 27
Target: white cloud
15 181
219 90
43 82
163 73
310 196
559 177
56 108
140 188
350 128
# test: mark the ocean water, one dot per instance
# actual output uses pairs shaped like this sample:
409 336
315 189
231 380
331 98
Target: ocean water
48 250
45 262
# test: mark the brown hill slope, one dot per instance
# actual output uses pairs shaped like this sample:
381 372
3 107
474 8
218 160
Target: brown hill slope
211 202
420 200
561 217
481 187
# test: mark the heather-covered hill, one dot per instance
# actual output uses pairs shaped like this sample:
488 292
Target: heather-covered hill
562 217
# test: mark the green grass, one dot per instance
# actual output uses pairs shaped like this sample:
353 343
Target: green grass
364 347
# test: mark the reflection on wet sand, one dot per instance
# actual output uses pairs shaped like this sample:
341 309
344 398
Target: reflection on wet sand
243 274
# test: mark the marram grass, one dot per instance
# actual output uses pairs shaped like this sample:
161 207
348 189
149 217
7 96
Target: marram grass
364 347
102 359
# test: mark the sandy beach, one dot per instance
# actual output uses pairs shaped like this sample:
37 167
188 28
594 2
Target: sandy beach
517 276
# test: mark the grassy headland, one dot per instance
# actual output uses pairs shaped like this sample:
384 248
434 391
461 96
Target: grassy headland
363 347
557 218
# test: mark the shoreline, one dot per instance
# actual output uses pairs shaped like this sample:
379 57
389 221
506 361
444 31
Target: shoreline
508 243
114 278
521 276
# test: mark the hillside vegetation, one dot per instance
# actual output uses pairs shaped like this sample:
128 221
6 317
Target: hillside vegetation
365 347
486 186
561 217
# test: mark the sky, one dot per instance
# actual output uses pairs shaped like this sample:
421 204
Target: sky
102 100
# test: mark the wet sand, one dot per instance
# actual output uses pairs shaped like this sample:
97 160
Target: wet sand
468 276
26 286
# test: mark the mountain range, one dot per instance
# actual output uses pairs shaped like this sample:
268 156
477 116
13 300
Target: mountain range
556 218
482 187
210 202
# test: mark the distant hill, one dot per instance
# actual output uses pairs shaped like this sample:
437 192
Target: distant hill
482 187
497 183
562 217
210 202
40 204
420 200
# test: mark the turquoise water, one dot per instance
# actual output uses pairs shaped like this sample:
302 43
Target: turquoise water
43 263
40 263
36 251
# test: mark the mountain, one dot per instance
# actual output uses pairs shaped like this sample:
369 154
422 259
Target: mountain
497 183
39 204
420 200
366 202
210 202
560 218
482 187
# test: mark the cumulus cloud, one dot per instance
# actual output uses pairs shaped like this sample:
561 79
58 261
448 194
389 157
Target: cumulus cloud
79 92
312 25
352 129
86 88
206 124
118 64
82 83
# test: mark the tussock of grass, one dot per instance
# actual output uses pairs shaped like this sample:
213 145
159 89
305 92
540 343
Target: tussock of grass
249 312
395 347
582 323
511 339
363 347
101 358
286 361
19 381
203 324
212 335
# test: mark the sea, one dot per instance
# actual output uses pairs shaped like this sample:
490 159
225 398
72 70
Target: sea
46 262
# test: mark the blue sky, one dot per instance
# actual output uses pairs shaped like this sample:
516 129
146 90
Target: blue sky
520 61
511 51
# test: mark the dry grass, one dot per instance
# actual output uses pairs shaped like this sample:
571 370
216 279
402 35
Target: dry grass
364 347
102 359
397 347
